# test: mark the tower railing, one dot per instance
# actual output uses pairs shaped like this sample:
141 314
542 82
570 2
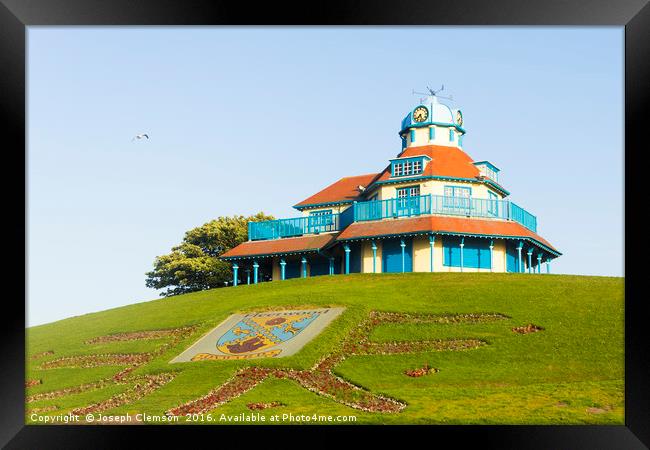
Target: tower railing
443 205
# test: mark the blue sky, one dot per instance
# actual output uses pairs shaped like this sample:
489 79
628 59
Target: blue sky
249 119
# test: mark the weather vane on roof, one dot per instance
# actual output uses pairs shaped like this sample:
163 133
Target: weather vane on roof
433 93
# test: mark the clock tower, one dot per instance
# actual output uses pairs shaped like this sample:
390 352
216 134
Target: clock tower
432 123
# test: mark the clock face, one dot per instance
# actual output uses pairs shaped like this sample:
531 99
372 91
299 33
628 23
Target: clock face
459 118
420 114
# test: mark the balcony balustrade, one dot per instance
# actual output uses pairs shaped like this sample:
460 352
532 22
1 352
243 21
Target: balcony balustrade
392 208
443 205
297 226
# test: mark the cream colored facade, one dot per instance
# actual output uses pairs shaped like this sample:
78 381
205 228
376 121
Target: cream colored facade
276 269
436 187
421 257
367 257
441 136
335 209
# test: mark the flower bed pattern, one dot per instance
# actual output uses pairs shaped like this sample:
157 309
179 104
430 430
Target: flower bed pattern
322 381
140 335
42 354
87 361
42 409
143 384
395 317
527 329
30 383
254 406
68 391
422 371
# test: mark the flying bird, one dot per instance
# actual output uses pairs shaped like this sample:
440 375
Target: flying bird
140 136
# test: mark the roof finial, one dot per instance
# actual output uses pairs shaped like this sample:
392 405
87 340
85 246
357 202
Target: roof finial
433 93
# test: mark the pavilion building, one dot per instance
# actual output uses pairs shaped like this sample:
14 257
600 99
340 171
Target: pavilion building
431 209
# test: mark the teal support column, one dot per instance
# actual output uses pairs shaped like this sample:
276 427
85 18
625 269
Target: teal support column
283 272
234 274
548 265
255 267
491 255
403 245
248 276
530 260
347 258
374 257
539 263
432 242
331 265
462 246
304 267
520 267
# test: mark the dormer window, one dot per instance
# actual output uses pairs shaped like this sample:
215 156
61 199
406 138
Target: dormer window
403 167
488 170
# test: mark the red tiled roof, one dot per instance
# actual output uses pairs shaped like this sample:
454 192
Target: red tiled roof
280 246
346 189
440 224
445 162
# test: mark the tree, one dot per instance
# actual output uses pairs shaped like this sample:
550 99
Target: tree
193 265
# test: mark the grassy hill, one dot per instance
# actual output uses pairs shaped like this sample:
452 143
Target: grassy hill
570 372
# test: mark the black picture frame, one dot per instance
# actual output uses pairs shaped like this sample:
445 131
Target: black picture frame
634 15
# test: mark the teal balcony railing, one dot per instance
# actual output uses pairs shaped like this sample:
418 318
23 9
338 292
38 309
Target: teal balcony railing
298 226
394 207
439 204
519 214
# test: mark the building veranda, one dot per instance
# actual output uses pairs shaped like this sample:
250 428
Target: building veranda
431 209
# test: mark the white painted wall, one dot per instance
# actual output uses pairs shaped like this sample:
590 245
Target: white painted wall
441 136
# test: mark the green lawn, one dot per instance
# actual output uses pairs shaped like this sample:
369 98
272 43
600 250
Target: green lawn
569 373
